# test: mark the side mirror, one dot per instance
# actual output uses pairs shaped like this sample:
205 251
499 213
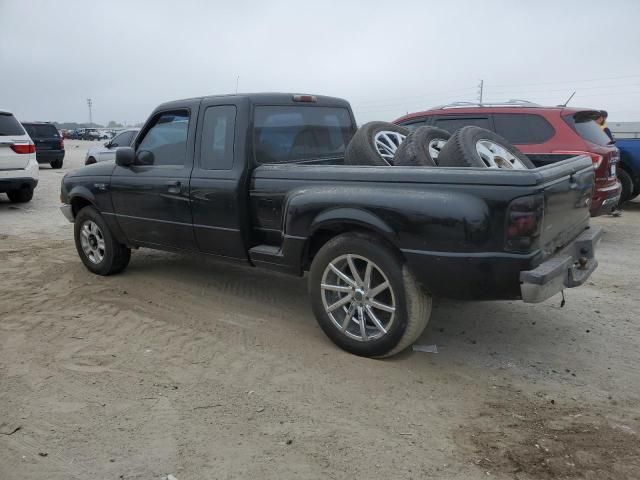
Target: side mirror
145 157
107 144
125 156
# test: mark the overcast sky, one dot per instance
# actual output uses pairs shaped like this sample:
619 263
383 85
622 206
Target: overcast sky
387 58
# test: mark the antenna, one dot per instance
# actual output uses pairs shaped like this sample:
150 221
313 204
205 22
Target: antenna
237 81
480 91
568 99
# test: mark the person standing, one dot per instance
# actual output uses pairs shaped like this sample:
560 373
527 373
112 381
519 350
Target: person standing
601 120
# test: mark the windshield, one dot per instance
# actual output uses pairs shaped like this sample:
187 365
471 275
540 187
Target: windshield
288 134
41 130
584 124
9 125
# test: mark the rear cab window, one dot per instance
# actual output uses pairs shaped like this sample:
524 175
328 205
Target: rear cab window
9 125
584 124
293 133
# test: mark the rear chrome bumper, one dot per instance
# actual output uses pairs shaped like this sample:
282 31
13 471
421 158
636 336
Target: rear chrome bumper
569 268
67 211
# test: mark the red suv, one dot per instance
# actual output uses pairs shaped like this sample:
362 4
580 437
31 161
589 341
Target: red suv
544 134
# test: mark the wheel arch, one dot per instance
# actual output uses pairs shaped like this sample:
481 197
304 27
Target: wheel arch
80 199
331 223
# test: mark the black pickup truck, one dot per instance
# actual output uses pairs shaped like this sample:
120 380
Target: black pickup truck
261 179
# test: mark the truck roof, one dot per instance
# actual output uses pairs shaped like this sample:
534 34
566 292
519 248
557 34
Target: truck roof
270 98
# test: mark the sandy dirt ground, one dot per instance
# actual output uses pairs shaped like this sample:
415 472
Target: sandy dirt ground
205 370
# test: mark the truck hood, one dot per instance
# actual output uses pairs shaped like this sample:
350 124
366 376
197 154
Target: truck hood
96 169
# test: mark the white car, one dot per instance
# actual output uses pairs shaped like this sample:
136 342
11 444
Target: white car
18 165
108 151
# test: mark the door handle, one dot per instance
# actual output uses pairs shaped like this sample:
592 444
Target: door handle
174 187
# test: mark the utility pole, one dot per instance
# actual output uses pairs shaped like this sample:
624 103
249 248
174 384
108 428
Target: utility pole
89 103
480 91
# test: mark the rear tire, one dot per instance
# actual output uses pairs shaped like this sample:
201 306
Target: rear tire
98 249
56 164
422 147
23 195
370 140
478 147
395 330
627 186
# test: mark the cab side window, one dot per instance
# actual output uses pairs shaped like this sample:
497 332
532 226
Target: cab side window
167 138
218 136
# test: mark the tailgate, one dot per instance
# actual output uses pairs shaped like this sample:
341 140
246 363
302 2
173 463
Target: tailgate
46 143
567 188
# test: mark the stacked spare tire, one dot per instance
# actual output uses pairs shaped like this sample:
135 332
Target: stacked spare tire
382 143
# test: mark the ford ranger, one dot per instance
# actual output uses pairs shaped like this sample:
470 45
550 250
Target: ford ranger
261 179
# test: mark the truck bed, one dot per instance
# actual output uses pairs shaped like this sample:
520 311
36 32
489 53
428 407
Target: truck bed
436 213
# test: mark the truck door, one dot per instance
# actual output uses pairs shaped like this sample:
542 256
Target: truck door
151 197
219 190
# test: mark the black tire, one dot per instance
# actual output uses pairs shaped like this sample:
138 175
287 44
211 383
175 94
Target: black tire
56 164
460 150
23 195
90 161
116 255
627 186
412 305
415 151
362 149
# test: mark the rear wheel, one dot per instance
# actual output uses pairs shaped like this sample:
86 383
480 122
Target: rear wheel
56 164
477 147
23 195
99 250
375 143
364 297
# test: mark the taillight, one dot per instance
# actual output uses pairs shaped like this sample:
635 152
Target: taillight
524 223
23 147
595 158
61 143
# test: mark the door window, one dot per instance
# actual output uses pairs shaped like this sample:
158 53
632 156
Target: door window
451 124
123 139
523 128
218 135
413 125
167 138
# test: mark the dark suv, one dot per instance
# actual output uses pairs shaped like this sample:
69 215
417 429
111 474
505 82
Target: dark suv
48 141
544 134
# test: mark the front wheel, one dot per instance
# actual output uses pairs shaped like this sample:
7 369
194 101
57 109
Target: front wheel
99 250
23 195
364 297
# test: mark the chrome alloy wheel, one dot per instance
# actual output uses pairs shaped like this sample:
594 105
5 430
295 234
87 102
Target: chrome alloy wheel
495 155
92 241
358 298
435 146
386 143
